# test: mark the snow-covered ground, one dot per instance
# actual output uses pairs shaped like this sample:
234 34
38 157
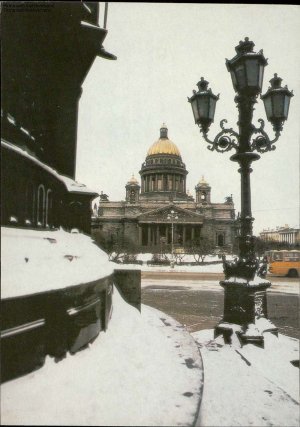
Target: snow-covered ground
249 386
145 370
208 268
186 258
38 261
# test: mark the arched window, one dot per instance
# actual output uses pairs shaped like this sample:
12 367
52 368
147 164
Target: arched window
132 196
40 218
76 218
49 208
30 204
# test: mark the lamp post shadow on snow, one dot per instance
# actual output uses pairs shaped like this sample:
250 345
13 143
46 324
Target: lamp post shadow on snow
245 286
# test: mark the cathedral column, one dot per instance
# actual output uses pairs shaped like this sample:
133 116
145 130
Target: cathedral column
149 235
157 234
140 235
173 182
193 234
165 182
183 235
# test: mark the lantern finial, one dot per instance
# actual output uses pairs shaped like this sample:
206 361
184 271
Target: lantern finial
245 46
202 84
276 81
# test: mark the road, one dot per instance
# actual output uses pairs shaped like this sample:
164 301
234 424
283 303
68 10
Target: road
210 281
196 299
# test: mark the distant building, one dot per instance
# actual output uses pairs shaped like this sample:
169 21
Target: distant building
284 234
143 216
45 59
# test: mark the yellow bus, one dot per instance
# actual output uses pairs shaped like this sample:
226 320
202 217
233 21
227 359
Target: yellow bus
284 263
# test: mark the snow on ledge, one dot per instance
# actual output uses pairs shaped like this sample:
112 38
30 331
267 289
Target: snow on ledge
71 185
36 261
240 281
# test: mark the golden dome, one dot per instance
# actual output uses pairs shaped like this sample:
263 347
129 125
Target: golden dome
203 182
132 180
164 145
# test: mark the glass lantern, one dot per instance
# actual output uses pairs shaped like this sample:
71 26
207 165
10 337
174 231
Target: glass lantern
277 102
247 69
203 105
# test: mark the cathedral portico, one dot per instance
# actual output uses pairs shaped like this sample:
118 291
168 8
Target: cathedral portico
153 234
155 228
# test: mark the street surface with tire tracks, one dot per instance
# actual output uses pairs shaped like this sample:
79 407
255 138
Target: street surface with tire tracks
196 299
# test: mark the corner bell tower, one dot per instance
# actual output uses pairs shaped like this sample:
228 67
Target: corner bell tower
132 190
203 192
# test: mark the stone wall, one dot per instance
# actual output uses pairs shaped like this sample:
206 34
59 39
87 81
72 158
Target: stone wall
52 323
129 285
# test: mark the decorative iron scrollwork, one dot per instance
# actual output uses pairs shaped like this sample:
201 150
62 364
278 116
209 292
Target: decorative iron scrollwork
228 139
224 141
262 142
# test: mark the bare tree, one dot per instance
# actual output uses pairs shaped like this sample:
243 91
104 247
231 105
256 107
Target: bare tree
117 247
178 255
200 248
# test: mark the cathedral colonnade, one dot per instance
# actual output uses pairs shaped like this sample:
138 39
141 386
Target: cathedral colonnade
163 182
155 234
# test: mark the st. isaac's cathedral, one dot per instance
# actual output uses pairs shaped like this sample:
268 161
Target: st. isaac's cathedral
144 216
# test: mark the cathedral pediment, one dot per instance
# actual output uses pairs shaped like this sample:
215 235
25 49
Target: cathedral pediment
160 215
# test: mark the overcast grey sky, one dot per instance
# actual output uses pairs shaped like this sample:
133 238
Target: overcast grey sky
163 49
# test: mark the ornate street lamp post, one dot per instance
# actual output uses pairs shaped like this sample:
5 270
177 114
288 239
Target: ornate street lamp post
245 304
172 216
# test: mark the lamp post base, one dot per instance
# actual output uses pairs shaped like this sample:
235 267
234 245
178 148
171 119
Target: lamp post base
245 311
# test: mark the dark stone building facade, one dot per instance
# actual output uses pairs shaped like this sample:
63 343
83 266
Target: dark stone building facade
47 51
143 217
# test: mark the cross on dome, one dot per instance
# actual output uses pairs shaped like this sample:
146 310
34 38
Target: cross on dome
164 131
